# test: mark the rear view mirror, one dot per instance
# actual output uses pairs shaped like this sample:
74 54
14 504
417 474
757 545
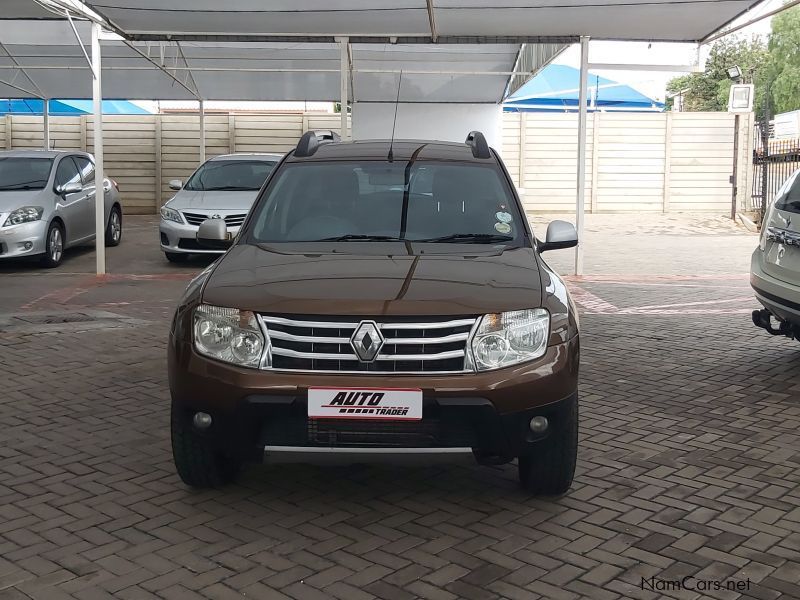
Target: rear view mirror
175 184
213 234
560 234
73 187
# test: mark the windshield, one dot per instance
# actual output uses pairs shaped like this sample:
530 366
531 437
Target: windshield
380 200
230 175
20 173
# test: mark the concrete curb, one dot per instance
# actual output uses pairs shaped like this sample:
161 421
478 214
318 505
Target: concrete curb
748 223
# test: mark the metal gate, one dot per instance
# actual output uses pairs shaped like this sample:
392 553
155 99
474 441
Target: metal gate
773 162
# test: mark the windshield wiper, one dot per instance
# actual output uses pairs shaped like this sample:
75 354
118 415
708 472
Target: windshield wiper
230 188
469 238
359 237
22 186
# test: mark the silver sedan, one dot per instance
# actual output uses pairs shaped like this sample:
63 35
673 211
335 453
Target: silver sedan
224 187
47 204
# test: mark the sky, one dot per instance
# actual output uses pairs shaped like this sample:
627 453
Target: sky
653 83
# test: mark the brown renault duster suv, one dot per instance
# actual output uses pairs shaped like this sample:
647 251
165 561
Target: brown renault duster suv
382 299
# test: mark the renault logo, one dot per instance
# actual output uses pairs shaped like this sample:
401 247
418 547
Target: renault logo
367 341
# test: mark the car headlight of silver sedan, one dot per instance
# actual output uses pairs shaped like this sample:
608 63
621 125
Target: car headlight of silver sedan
26 214
505 339
170 214
229 335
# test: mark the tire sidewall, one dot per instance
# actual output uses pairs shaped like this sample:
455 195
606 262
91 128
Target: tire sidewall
47 259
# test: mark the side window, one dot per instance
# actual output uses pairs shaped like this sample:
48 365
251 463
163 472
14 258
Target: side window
87 169
67 172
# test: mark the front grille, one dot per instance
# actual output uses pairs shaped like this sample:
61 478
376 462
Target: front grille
412 344
230 220
426 433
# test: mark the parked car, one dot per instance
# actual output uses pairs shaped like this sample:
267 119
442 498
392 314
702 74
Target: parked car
224 187
361 317
775 266
47 204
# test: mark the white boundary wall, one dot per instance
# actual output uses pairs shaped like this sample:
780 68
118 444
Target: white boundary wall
658 162
635 162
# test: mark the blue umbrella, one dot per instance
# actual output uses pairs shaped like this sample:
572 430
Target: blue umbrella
556 88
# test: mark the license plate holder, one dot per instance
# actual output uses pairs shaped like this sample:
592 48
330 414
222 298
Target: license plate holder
382 404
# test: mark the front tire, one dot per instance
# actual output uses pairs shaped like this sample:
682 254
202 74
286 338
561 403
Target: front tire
198 463
114 227
549 468
54 246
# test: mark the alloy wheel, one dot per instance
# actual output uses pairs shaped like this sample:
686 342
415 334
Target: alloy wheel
56 244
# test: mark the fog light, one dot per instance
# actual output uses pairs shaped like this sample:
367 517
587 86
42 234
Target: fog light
25 245
202 420
539 424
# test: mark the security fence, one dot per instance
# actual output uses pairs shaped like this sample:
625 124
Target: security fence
773 162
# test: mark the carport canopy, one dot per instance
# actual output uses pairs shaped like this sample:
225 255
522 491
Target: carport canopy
466 51
448 50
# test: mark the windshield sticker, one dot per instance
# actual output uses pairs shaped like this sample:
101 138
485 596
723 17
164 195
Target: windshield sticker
502 227
504 217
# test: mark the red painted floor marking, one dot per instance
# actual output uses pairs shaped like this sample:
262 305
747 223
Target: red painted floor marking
591 302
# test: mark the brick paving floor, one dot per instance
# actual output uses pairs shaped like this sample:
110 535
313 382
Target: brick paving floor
689 460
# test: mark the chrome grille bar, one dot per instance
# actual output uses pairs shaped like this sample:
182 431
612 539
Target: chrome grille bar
322 344
343 356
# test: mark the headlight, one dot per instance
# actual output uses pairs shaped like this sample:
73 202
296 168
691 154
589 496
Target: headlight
170 214
229 335
26 214
509 338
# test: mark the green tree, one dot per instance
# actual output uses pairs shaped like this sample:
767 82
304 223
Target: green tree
708 91
783 68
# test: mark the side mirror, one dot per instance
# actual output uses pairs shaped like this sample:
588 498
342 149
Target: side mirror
560 234
213 233
73 187
175 184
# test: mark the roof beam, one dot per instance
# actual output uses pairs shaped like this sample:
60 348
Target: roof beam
356 38
186 62
163 69
432 21
21 89
22 70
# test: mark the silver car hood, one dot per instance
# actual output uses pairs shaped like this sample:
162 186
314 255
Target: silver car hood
15 199
215 200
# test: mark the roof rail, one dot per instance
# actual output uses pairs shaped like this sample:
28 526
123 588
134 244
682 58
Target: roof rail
311 140
476 141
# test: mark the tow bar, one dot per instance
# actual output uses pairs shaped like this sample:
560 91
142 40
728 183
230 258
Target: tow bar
763 318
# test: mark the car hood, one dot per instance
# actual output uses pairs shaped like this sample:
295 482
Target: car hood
472 282
213 200
13 200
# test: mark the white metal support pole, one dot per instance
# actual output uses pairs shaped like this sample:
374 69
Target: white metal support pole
202 132
99 176
581 192
46 123
343 75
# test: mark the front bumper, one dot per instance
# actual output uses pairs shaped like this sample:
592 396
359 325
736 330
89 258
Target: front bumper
487 412
180 238
781 298
27 239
